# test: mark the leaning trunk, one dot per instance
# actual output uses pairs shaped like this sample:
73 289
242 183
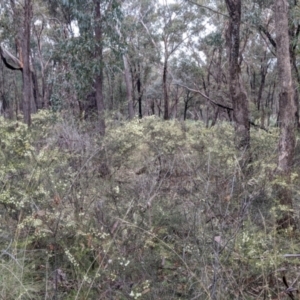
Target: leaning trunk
287 114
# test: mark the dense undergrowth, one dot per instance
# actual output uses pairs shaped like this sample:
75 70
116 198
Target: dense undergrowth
154 210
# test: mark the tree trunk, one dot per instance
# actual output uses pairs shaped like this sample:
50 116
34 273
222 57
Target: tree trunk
128 82
165 87
99 76
36 93
296 82
237 91
294 32
287 112
152 106
139 90
260 103
111 83
27 87
186 104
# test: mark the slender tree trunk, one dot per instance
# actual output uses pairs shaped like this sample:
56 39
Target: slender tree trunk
139 90
36 93
111 90
216 111
237 91
99 76
158 104
152 106
287 111
296 82
100 103
45 98
165 87
174 109
186 104
260 103
27 87
128 81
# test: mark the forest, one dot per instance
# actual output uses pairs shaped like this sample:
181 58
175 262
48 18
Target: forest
149 149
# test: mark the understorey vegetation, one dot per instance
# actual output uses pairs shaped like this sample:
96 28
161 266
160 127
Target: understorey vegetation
152 210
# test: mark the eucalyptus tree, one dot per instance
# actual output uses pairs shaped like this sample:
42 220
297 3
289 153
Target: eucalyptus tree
176 25
236 88
141 54
98 55
223 89
27 87
127 74
205 76
258 64
264 21
11 65
20 16
287 111
128 81
45 37
91 31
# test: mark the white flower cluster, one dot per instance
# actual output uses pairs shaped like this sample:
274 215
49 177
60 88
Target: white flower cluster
135 295
71 258
145 287
123 261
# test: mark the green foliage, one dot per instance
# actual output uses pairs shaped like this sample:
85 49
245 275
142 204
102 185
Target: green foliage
81 53
154 210
214 39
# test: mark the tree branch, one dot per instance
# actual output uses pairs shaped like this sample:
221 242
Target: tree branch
203 95
150 35
268 35
208 8
219 105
